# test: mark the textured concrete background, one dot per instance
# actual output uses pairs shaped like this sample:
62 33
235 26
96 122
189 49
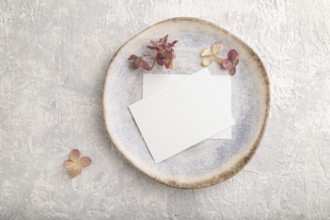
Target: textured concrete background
53 60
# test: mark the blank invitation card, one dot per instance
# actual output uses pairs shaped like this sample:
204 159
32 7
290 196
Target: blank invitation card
181 115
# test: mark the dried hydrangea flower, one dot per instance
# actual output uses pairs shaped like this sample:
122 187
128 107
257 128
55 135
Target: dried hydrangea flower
139 62
210 55
164 55
75 163
231 62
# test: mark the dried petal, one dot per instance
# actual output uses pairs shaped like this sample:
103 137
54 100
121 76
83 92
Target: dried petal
168 63
160 62
171 65
168 54
163 40
137 62
154 43
85 161
235 62
172 44
226 63
206 61
68 164
206 52
232 55
160 58
232 70
74 155
135 65
133 57
218 59
75 171
145 65
153 48
216 48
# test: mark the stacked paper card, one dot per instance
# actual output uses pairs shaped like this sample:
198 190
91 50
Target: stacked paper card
179 111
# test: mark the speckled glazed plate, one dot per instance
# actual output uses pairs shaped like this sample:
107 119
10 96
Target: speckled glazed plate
210 161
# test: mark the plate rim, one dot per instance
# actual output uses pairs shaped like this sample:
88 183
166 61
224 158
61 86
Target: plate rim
244 160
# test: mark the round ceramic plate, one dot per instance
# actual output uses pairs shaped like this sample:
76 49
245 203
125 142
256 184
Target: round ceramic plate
210 161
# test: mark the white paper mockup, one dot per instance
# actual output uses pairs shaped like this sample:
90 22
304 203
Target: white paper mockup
181 115
155 82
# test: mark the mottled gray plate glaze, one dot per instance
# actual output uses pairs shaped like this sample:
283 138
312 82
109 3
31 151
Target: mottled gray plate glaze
210 161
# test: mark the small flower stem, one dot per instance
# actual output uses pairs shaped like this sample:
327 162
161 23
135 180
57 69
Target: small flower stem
153 64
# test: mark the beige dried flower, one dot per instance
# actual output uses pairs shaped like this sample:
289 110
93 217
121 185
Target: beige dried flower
209 55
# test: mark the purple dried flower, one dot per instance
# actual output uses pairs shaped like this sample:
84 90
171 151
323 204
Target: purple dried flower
231 62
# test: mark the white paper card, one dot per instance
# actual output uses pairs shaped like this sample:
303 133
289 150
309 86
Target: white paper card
181 115
155 82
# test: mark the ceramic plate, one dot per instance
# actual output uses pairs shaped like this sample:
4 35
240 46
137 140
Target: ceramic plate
210 161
